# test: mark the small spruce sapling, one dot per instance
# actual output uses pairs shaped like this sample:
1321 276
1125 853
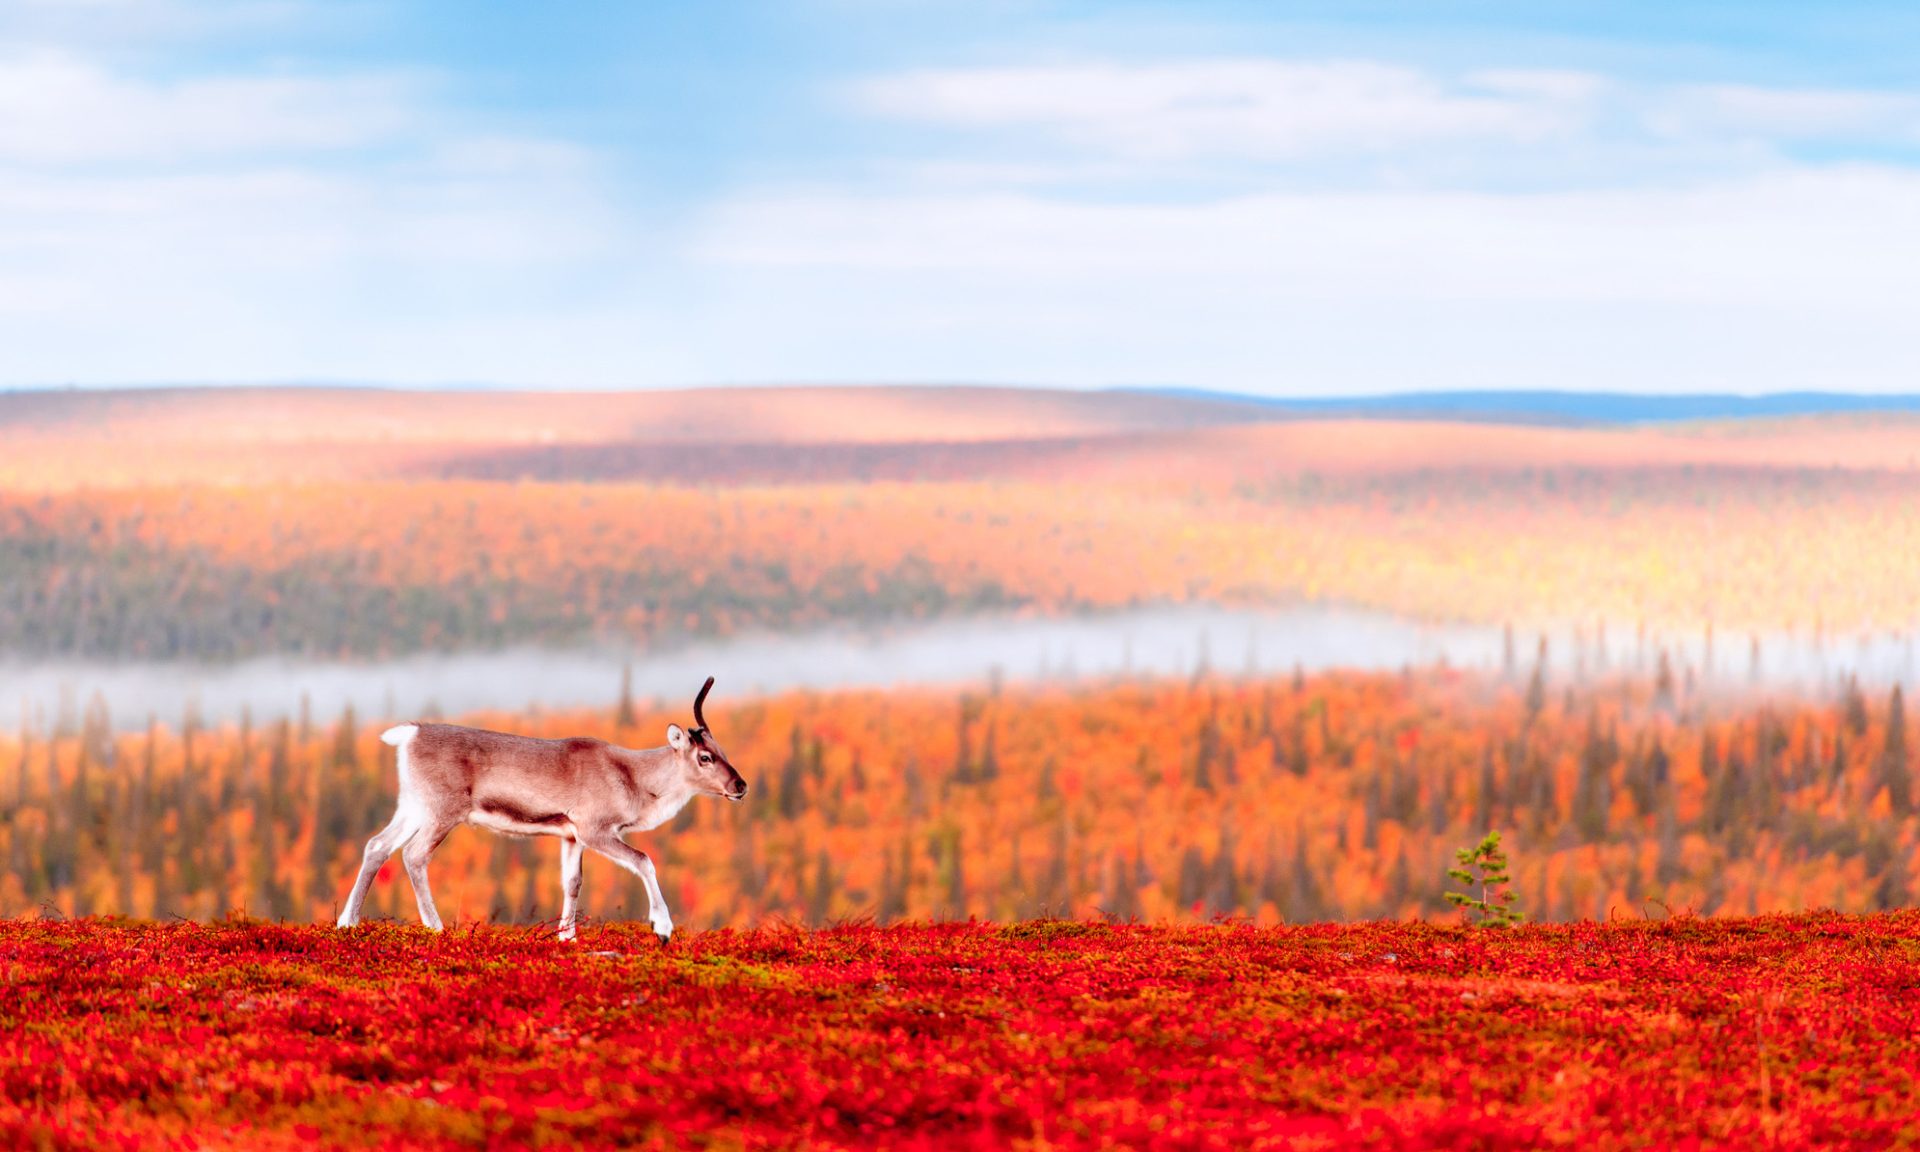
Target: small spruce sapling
1484 867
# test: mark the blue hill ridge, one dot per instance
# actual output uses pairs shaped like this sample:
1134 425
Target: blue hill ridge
1550 407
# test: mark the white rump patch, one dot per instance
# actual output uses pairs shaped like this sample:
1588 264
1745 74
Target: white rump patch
401 737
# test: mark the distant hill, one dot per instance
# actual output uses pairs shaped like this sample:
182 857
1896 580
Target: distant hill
1548 407
736 415
816 435
811 415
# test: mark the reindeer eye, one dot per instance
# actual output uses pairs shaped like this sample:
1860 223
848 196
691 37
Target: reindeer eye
706 758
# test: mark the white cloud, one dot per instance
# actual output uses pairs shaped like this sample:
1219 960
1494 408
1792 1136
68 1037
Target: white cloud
1787 114
119 24
1318 226
1857 230
1347 226
58 108
265 225
1561 86
1237 107
1792 280
1305 112
287 273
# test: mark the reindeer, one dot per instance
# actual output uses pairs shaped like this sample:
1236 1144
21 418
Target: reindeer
587 792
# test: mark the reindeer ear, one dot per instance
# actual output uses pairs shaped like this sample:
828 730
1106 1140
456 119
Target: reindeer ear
677 737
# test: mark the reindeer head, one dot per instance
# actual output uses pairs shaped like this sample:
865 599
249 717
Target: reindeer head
706 764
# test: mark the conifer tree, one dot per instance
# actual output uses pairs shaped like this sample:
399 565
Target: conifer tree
820 897
1537 685
1304 903
623 715
1894 773
1483 869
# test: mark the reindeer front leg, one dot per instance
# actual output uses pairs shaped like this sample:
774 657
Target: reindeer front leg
571 855
610 845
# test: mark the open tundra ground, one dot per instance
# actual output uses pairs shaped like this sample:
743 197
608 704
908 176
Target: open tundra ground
1777 1030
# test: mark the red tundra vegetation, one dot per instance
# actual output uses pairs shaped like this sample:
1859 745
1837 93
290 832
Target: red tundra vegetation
1776 1031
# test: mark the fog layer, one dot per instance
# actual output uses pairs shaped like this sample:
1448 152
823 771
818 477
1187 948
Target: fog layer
1155 642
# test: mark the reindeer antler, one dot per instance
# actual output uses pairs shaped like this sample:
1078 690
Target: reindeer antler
701 699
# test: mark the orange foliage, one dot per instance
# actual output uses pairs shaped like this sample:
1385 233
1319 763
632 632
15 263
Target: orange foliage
793 506
557 562
1337 796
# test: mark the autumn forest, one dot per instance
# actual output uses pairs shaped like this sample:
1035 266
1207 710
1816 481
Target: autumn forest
1331 797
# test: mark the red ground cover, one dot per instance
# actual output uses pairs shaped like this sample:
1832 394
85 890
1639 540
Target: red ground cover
1775 1031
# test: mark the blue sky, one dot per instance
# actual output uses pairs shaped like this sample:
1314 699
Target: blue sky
1305 199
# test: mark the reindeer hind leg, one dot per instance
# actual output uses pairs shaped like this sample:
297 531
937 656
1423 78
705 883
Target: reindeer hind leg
381 846
418 850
